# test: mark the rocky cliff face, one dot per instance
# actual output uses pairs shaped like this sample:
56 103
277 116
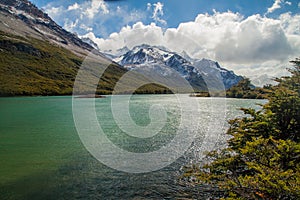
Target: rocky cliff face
22 18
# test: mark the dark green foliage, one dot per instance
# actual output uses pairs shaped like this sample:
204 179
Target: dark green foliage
244 89
153 89
262 160
29 67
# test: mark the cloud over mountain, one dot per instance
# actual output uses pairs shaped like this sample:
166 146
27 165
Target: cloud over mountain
249 44
243 44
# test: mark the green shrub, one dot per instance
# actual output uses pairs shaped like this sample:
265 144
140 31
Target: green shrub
262 158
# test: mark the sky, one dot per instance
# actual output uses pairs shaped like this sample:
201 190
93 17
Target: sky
254 38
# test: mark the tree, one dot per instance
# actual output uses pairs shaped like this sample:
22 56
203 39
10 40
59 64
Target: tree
244 89
262 160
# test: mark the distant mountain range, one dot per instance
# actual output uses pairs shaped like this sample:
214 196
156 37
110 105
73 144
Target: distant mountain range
38 57
200 73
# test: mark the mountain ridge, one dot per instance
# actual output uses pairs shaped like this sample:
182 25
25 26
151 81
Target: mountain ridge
38 25
38 57
199 72
41 58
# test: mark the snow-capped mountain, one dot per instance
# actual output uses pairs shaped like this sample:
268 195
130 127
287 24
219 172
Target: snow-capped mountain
90 42
201 74
117 54
214 71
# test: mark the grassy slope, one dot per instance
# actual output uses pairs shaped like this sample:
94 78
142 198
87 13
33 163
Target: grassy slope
33 67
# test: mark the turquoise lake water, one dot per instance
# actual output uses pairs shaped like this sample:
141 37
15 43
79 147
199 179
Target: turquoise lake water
42 156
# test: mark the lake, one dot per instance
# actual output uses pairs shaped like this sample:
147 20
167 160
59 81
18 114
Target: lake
43 157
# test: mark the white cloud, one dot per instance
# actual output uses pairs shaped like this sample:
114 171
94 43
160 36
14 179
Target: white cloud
93 16
249 46
94 8
85 27
131 36
75 6
255 39
53 11
299 5
128 17
288 3
158 13
277 5
149 6
92 36
290 24
70 25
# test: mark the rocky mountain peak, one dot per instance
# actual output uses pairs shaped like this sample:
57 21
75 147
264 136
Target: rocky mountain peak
31 21
25 8
162 59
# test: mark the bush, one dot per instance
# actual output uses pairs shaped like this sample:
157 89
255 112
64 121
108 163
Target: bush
262 158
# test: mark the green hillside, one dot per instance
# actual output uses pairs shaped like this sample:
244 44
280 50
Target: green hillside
29 66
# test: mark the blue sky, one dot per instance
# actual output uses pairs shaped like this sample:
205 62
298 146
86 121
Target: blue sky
256 38
174 11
